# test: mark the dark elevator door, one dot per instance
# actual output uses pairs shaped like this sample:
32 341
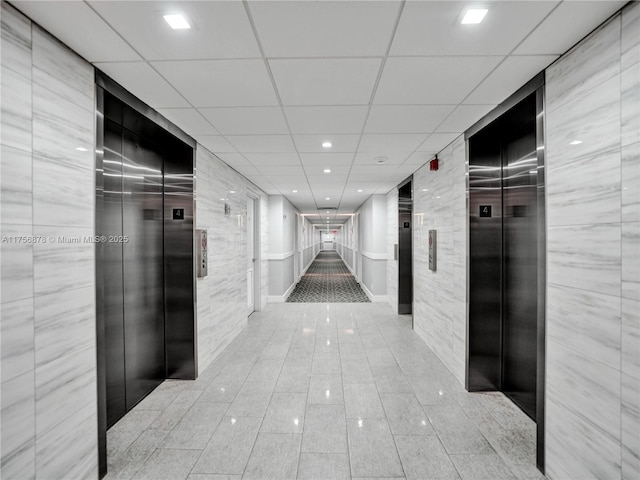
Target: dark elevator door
520 261
134 303
405 249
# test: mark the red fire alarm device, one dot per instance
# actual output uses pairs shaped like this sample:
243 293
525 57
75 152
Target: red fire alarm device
433 164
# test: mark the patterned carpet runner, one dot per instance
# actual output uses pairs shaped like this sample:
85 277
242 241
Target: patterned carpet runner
328 280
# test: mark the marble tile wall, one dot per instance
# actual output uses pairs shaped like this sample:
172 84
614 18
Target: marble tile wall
392 240
439 304
48 401
593 233
222 295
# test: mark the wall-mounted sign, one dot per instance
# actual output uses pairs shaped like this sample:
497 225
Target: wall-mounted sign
406 225
485 210
433 240
178 213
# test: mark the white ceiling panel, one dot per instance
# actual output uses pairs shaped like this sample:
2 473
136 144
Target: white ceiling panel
434 28
233 159
221 83
381 169
145 83
247 120
313 143
326 159
510 75
406 118
262 143
566 25
281 171
314 120
189 120
218 29
330 81
91 36
393 158
319 170
332 181
431 80
463 117
273 158
287 183
324 29
436 142
397 142
215 144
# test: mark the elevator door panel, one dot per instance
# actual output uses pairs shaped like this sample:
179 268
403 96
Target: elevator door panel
142 219
520 262
112 270
405 249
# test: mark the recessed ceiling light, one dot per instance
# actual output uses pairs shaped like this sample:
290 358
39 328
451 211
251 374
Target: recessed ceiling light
327 170
360 191
474 15
327 198
294 191
177 21
326 144
82 149
425 189
576 142
232 191
327 217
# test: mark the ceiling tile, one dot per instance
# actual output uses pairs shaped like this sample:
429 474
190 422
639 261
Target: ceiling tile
324 29
221 83
215 144
330 81
314 120
189 120
218 29
379 169
91 37
247 120
431 80
281 171
567 25
393 158
313 143
434 28
262 143
463 117
406 118
437 141
145 83
330 181
319 169
273 158
326 159
292 182
233 159
510 75
388 143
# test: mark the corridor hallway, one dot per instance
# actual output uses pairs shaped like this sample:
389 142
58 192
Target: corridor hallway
314 391
328 280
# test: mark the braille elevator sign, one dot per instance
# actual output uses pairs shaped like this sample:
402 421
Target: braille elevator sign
485 210
178 213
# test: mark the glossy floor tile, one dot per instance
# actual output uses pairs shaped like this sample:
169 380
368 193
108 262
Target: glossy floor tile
323 391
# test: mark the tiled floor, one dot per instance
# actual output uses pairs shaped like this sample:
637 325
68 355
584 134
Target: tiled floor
314 391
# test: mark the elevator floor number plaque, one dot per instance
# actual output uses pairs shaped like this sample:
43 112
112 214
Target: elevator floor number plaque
485 210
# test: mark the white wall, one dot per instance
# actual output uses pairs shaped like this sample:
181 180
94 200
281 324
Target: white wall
439 298
48 393
282 225
222 295
593 237
373 254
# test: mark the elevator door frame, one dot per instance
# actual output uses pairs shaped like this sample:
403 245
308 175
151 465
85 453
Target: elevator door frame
105 84
537 85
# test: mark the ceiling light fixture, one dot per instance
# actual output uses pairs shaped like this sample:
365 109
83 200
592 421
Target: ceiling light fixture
474 16
294 191
326 144
360 190
576 142
381 159
177 21
327 170
82 149
327 198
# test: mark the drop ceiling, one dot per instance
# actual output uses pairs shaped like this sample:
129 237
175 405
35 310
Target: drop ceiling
263 84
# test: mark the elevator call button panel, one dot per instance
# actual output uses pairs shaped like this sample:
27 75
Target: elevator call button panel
202 252
433 240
